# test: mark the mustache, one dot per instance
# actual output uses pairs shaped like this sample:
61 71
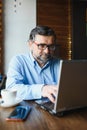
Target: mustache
47 55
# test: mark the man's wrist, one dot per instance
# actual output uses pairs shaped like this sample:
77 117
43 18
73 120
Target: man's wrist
42 90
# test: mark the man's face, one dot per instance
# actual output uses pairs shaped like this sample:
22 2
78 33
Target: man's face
42 48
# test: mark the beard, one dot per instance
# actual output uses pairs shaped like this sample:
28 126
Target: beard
44 58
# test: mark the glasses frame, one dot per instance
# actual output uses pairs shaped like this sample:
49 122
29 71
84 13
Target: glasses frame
43 46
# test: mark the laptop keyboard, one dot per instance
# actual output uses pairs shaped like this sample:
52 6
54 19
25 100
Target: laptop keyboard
48 105
45 103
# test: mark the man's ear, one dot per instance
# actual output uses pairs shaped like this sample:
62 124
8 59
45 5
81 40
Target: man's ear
30 43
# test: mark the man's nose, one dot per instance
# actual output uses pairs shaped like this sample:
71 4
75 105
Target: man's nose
47 50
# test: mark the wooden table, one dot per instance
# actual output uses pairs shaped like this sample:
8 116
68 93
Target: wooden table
39 119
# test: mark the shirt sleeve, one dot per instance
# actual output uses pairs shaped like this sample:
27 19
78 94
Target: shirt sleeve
15 81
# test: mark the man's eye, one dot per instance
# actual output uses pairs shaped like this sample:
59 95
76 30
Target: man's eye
42 45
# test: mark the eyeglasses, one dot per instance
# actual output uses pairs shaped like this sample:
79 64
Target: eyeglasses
43 46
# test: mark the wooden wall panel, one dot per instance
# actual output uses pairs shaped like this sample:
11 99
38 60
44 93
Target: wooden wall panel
56 14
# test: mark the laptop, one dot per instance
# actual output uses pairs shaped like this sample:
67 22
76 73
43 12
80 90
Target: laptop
72 88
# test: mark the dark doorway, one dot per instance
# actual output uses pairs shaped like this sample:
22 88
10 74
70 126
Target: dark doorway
79 32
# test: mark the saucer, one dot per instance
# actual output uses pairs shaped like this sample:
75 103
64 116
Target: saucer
16 102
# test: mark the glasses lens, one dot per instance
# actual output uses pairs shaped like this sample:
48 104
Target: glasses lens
42 46
52 47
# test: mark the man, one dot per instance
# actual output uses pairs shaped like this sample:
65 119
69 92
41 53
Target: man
34 75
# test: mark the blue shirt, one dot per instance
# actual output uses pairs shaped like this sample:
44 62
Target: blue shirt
27 77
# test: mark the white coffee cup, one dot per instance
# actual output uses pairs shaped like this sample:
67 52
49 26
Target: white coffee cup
8 96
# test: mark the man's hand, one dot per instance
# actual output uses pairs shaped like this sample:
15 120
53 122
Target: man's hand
49 91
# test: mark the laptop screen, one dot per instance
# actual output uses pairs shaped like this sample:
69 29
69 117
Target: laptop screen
72 85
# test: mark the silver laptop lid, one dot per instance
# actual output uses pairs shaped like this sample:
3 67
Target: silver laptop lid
72 92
